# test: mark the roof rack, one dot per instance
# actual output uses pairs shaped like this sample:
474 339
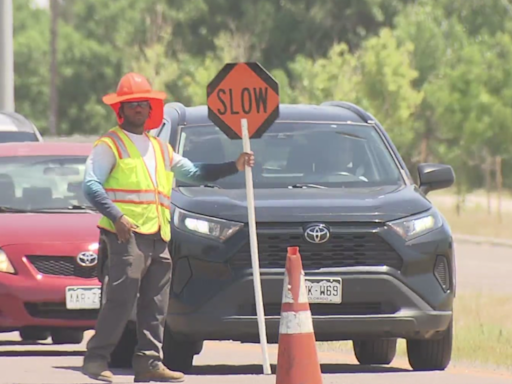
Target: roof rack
360 112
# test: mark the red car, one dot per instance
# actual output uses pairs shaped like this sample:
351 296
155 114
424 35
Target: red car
48 243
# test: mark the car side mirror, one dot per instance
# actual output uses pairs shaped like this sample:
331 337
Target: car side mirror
435 176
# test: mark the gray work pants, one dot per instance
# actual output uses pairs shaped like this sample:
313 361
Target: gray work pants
140 266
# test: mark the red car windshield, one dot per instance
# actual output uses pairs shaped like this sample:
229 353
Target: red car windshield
41 182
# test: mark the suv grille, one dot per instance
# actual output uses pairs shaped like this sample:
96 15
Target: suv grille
61 266
341 250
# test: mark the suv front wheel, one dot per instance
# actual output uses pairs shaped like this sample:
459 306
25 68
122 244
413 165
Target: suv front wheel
375 352
431 355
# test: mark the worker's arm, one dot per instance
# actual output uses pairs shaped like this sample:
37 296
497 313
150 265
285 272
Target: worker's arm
102 160
199 173
97 168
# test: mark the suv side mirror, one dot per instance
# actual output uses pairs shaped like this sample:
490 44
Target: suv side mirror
435 176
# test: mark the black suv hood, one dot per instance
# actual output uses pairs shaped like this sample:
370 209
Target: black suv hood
300 205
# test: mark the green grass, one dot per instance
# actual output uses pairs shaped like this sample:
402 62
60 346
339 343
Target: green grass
476 222
482 333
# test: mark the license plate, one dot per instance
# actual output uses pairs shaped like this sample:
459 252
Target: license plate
326 290
83 297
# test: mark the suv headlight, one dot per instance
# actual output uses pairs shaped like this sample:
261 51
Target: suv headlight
205 226
5 264
418 225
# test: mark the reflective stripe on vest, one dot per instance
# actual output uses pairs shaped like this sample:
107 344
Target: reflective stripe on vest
122 151
167 157
137 197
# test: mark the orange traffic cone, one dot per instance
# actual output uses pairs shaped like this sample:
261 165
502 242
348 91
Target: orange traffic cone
297 359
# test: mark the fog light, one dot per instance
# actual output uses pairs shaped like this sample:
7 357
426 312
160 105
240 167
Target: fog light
442 272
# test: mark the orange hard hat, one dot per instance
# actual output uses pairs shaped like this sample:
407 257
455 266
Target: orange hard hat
135 87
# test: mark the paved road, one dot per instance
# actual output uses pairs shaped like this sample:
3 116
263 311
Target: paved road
222 363
479 268
483 268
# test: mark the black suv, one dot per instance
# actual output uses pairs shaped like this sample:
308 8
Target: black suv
378 256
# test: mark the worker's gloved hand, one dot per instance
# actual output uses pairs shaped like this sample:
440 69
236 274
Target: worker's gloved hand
124 228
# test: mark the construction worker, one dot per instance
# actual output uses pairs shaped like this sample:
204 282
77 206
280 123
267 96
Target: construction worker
129 180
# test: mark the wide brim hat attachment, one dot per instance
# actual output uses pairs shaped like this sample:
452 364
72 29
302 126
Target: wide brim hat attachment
135 87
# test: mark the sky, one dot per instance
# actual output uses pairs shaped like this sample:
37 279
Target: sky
42 3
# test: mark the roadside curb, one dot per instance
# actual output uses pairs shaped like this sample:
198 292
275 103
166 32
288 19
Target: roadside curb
482 240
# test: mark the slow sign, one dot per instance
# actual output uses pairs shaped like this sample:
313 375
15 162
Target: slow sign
243 101
243 91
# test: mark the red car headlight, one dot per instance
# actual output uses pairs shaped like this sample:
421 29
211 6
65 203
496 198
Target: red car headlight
5 264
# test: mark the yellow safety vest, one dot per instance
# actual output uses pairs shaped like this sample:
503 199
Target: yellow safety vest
131 188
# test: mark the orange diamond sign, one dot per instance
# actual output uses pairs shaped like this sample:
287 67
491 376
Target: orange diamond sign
243 91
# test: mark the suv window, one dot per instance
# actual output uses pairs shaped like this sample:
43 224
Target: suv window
332 155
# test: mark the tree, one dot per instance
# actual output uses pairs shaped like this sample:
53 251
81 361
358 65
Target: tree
386 86
436 74
435 38
31 62
54 94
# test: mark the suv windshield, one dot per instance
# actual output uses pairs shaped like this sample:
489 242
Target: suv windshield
291 153
41 182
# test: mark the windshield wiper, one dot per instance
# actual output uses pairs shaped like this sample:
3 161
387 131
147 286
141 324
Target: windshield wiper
82 207
4 209
215 186
306 186
74 207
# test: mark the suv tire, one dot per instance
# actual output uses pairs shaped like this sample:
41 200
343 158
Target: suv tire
375 352
179 354
431 355
67 336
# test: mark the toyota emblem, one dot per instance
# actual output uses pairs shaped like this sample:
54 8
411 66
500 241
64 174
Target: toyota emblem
317 233
87 259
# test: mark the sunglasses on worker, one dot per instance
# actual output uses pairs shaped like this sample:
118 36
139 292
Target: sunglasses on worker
135 104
